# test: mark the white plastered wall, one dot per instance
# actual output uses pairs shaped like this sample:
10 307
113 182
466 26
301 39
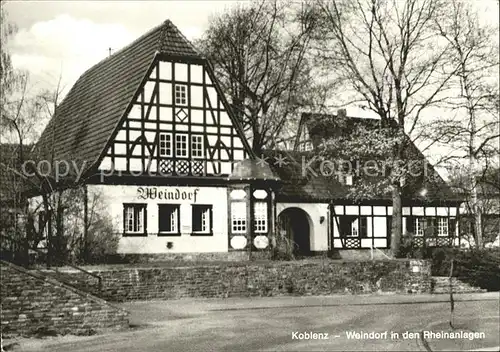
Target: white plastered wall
318 232
114 196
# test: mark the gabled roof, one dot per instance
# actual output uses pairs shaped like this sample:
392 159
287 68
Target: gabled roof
86 118
302 183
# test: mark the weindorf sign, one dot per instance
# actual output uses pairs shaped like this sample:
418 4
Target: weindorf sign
170 193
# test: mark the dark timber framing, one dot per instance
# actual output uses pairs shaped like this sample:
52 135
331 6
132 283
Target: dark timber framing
209 129
354 242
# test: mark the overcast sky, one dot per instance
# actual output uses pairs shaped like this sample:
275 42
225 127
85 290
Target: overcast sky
65 38
68 37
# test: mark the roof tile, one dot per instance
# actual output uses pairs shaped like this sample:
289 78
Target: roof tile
88 115
299 183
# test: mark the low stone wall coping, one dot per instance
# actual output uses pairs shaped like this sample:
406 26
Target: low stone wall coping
198 264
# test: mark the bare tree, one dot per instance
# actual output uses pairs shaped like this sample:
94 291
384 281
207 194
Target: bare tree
18 118
475 123
487 203
73 226
259 57
7 75
388 57
23 112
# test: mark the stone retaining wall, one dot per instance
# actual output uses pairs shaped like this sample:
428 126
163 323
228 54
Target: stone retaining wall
320 277
35 304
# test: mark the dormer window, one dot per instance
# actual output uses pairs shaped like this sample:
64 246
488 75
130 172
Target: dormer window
180 94
345 179
305 146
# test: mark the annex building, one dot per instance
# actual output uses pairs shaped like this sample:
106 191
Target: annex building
163 151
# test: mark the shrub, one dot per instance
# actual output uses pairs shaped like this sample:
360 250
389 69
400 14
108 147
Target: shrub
409 250
284 248
102 241
478 267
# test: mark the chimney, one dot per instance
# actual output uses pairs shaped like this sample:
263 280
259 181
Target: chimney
341 113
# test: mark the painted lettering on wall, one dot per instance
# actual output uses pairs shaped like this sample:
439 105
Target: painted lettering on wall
167 194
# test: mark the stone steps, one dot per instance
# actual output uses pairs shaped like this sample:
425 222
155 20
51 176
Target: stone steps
88 284
35 304
441 284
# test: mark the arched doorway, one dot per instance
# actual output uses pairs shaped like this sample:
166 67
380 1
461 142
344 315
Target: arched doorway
294 224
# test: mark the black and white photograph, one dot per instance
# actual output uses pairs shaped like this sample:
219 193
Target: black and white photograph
259 175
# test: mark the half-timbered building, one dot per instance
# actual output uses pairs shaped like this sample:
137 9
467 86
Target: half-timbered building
155 138
321 203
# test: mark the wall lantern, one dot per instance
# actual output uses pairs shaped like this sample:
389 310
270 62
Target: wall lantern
321 219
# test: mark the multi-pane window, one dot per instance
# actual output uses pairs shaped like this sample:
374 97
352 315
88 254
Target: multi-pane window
134 218
353 226
165 147
168 219
180 94
181 145
238 217
431 226
419 226
202 219
197 146
442 226
345 179
305 146
260 217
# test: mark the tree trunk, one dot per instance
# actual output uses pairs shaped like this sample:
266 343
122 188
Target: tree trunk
85 225
59 246
256 142
471 110
48 224
478 230
397 220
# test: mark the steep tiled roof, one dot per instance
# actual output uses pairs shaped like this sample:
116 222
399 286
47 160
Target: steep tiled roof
302 183
295 183
86 118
